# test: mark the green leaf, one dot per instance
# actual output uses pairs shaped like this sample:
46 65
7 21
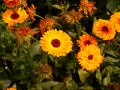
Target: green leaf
49 84
98 75
112 5
35 48
111 59
108 69
58 7
83 75
86 87
106 80
95 19
70 83
60 86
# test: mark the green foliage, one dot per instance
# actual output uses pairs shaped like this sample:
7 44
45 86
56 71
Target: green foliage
21 65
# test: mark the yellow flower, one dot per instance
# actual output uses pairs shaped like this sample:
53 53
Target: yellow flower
86 40
11 89
90 58
11 17
56 43
115 19
104 29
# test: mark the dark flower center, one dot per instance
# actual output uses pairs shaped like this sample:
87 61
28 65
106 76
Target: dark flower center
90 57
15 15
55 43
88 42
105 29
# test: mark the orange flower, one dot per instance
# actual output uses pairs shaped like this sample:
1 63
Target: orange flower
11 17
104 29
23 32
115 19
12 3
56 42
90 58
86 40
11 88
71 17
87 7
31 12
46 24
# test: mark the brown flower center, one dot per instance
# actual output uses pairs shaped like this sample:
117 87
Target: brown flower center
105 29
87 42
15 16
55 43
90 57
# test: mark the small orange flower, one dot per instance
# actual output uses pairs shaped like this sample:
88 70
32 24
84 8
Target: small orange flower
87 7
86 40
23 32
12 3
71 17
115 19
46 24
104 29
31 11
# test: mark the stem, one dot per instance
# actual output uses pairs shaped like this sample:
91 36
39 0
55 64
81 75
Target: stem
105 47
39 16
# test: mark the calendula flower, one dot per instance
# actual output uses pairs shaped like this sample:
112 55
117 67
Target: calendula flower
115 19
86 40
31 11
11 89
11 17
87 7
104 29
12 3
90 58
56 43
71 17
46 24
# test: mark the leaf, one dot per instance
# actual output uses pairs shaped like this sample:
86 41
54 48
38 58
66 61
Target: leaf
34 49
98 75
86 87
70 83
111 59
112 5
95 19
106 80
60 86
49 84
83 75
5 83
58 7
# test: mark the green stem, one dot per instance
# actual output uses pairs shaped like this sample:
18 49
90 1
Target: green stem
105 47
39 16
